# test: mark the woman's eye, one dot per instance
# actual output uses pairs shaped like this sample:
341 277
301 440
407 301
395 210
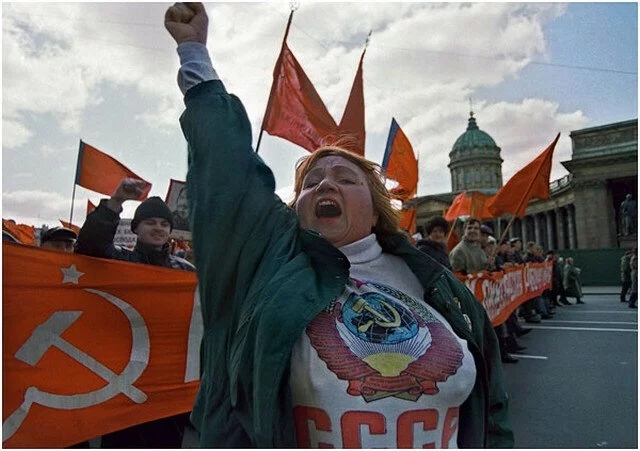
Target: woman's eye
309 184
347 181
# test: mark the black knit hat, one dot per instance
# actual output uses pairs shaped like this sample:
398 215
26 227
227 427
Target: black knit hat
153 207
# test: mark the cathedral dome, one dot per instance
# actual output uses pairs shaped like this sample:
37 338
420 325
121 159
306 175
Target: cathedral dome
473 138
474 161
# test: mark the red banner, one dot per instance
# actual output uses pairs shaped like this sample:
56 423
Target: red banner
502 292
92 346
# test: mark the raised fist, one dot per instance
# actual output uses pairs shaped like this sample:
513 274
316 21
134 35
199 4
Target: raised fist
187 22
129 189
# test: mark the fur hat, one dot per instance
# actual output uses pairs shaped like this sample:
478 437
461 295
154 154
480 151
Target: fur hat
153 207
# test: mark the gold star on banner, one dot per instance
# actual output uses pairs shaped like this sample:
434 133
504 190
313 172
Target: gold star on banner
71 274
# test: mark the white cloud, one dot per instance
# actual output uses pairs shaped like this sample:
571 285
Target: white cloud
14 134
65 61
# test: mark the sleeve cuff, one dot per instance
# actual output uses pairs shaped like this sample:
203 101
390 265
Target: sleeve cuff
195 65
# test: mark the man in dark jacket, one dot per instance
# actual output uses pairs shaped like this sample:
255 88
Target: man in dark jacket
435 245
152 222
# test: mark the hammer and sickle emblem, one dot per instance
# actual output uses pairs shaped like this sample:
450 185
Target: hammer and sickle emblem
379 319
48 334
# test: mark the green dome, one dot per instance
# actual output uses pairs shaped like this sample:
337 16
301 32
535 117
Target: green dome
473 138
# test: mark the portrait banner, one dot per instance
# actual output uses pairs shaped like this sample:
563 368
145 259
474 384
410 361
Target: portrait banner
177 202
502 292
91 346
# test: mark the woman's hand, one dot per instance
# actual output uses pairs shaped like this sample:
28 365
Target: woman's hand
187 22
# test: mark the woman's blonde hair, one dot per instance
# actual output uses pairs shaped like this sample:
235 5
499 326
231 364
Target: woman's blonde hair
387 224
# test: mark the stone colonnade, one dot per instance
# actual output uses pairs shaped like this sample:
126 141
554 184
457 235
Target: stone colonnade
552 229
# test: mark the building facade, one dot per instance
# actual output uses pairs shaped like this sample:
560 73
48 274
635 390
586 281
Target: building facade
583 211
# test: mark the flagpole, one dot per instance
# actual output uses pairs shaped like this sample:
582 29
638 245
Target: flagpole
526 194
277 69
73 198
75 181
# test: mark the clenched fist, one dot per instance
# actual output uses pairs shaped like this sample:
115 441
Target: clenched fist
187 22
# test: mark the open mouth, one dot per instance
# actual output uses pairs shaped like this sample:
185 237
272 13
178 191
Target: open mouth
328 209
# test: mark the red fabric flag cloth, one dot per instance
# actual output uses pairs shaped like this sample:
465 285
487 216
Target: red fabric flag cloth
90 207
530 182
22 232
352 122
400 164
408 220
473 203
61 384
296 111
101 173
68 225
456 207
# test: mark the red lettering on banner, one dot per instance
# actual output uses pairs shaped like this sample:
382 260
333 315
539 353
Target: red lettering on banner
450 426
501 292
352 421
429 420
302 415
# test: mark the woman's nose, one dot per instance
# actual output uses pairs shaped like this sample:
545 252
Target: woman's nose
326 184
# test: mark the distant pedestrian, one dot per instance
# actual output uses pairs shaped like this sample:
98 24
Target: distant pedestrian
571 281
633 298
625 275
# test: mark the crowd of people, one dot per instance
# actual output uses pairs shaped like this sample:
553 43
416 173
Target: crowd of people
479 251
321 308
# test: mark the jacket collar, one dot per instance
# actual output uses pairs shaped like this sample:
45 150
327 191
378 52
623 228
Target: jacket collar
153 256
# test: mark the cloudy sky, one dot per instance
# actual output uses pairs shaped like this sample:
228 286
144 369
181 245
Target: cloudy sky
106 73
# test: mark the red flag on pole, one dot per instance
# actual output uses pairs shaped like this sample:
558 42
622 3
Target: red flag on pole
99 172
352 122
408 220
530 182
473 203
400 164
296 111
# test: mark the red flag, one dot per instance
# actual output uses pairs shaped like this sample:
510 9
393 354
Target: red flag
530 182
22 232
99 172
352 123
472 204
408 220
456 207
68 225
296 111
85 389
400 164
90 207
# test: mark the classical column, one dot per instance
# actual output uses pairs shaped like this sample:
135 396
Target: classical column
524 231
536 229
560 227
571 227
550 233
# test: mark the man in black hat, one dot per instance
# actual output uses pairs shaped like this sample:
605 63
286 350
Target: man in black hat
152 222
58 238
